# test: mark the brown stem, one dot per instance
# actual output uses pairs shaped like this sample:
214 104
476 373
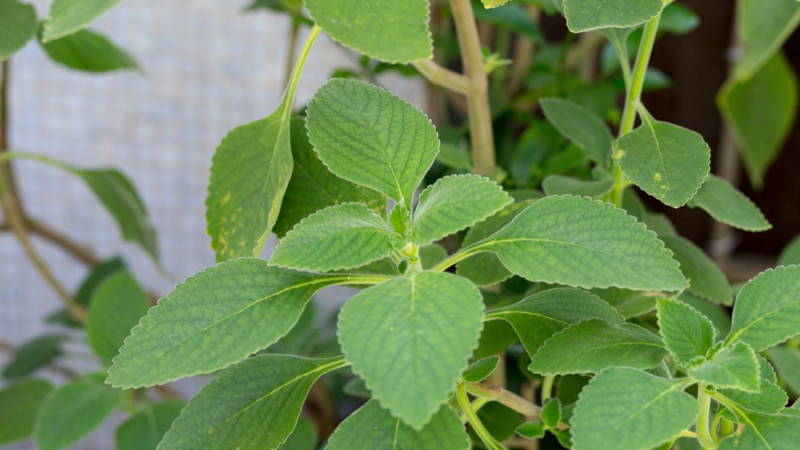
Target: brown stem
5 167
584 51
78 251
293 38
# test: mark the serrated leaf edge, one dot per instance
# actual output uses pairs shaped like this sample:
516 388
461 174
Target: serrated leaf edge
692 308
566 15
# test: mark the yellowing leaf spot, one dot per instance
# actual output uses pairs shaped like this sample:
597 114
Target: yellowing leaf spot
657 176
619 153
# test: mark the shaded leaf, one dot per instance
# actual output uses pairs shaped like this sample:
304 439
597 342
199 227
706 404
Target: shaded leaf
97 275
787 363
19 405
116 307
89 51
480 369
791 253
17 26
719 316
562 184
304 437
581 126
763 31
687 333
144 430
727 205
704 276
32 355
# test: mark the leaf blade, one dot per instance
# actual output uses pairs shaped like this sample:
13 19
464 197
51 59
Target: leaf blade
687 333
585 15
67 16
727 205
581 126
734 367
17 26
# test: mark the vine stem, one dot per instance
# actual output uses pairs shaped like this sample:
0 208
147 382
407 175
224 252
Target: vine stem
472 417
633 96
704 433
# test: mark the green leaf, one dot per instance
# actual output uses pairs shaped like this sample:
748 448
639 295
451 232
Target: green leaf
581 126
667 161
727 205
704 276
678 18
734 367
624 405
561 184
372 427
19 405
763 31
144 430
791 253
787 363
89 51
594 345
32 355
499 420
338 237
496 337
628 303
454 203
98 274
585 15
304 436
558 240
512 18
687 333
760 111
493 3
531 430
313 187
69 16
762 431
769 399
377 27
430 255
250 172
207 322
253 404
551 413
767 309
480 369
541 315
17 26
369 136
410 338
115 308
72 411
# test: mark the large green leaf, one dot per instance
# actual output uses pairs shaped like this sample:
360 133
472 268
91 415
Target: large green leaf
250 172
538 317
704 276
97 276
727 205
72 411
144 430
372 427
254 404
593 345
115 308
17 26
734 367
69 16
339 237
369 136
581 126
410 338
585 243
207 322
454 203
89 51
760 111
19 405
787 363
388 30
313 187
767 432
763 31
667 161
718 315
630 407
767 309
32 355
687 333
585 15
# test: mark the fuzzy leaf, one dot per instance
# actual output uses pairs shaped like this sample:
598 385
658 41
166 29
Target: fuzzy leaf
561 184
69 16
19 405
767 309
787 363
769 399
367 135
763 31
687 333
372 427
388 30
581 126
410 338
231 411
72 411
17 26
454 203
594 345
767 432
116 307
551 413
207 322
623 405
144 430
727 205
734 367
480 369
313 187
339 237
538 317
704 276
585 15
584 243
89 51
667 161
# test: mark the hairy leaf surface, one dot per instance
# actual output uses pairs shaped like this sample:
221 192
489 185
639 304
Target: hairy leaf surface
767 432
585 15
704 276
687 333
733 367
727 205
581 126
787 363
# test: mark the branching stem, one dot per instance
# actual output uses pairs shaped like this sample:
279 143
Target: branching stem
704 433
472 417
505 397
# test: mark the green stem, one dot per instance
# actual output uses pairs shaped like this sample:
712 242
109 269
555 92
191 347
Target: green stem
704 432
460 255
472 417
441 76
505 397
634 94
291 89
547 388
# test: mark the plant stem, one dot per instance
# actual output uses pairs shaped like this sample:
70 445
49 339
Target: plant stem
472 417
633 96
442 76
547 388
294 32
5 167
507 398
704 433
480 117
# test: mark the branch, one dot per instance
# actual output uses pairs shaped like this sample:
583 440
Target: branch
507 398
444 77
